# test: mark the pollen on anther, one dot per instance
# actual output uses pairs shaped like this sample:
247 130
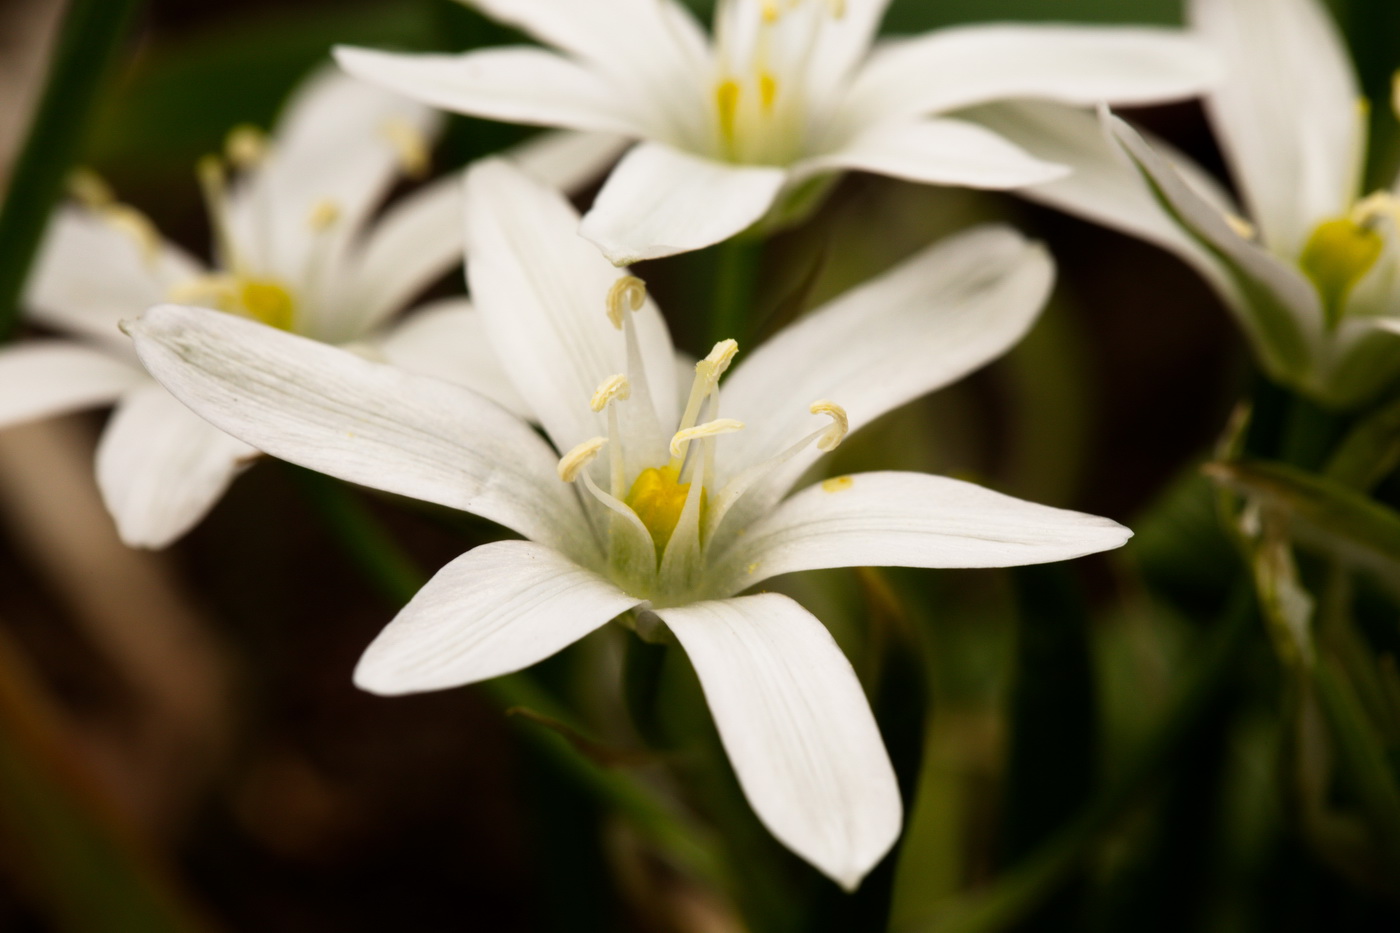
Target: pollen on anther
573 462
840 424
614 388
628 293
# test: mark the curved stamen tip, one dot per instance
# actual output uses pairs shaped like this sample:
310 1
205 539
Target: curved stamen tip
708 429
840 424
614 388
246 146
573 462
410 145
628 293
714 365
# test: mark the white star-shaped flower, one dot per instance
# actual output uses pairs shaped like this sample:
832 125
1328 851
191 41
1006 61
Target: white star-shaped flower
295 249
664 502
785 95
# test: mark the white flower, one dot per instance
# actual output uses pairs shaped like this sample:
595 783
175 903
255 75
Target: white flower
663 504
1313 274
295 249
787 93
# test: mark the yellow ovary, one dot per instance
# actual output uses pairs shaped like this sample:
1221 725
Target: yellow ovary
658 497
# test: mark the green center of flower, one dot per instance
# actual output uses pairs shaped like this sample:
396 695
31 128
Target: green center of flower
1342 250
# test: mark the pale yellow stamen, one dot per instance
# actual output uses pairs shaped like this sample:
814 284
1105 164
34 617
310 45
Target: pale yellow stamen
411 146
840 424
614 388
628 293
717 361
771 12
1375 206
1241 227
324 215
88 189
215 291
137 226
246 146
573 462
708 429
727 106
767 90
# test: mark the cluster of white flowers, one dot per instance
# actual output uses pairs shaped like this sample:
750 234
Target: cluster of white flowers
551 405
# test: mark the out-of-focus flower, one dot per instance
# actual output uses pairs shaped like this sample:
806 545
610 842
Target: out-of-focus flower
787 94
661 505
1313 273
294 249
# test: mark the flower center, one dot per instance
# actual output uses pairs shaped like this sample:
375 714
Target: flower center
1342 250
658 522
762 55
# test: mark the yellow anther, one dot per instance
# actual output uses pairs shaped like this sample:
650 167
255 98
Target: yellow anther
573 462
136 225
840 424
614 388
838 8
246 146
410 144
714 365
324 215
1241 227
88 189
727 107
708 429
628 293
837 484
771 11
767 90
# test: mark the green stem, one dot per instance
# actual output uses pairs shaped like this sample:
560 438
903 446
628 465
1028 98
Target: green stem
732 316
1026 886
397 579
86 49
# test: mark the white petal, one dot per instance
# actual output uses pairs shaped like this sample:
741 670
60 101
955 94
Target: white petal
911 520
1084 65
91 275
415 243
797 728
1288 112
51 377
496 609
1276 306
568 160
928 322
332 411
338 142
842 45
517 85
942 152
660 201
447 340
1103 186
542 293
161 467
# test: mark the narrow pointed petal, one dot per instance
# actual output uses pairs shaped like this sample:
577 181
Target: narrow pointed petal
1288 112
797 728
1083 65
161 467
929 321
496 609
332 411
415 243
447 340
92 274
517 85
911 520
542 293
1103 186
843 44
660 201
51 377
940 152
1276 306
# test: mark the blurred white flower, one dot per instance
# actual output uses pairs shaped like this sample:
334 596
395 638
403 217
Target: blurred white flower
294 248
663 504
1310 266
788 93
